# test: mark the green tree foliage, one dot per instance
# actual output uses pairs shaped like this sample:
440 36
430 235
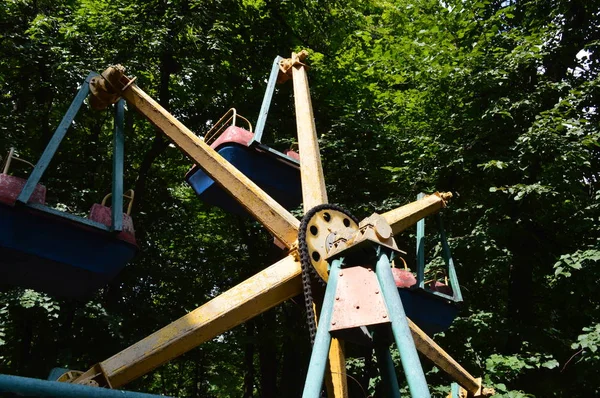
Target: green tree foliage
495 101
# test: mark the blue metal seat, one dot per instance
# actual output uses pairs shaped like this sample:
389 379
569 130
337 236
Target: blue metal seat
432 314
56 255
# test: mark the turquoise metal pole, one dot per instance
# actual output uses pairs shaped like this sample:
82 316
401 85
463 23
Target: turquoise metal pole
408 352
320 351
454 390
118 155
52 146
27 387
264 108
456 293
386 367
421 249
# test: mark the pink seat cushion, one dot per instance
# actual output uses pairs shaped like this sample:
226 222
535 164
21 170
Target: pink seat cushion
293 154
403 278
233 134
441 288
11 186
103 215
242 137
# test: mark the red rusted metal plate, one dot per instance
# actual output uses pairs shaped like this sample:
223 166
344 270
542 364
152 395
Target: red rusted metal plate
358 300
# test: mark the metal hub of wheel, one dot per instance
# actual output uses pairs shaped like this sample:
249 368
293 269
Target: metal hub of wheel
322 229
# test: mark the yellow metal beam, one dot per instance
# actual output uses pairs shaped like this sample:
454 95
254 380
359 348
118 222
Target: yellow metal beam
311 170
257 294
336 381
405 216
436 354
314 193
282 224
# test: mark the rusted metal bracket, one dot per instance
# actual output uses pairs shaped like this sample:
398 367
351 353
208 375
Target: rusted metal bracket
372 230
286 65
457 391
103 88
95 376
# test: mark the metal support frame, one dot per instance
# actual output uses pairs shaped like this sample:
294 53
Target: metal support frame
281 280
386 368
50 151
320 351
446 254
59 134
118 157
421 249
266 104
456 292
400 328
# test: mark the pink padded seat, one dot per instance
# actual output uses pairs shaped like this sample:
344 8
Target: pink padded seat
103 215
11 186
441 288
242 136
403 278
233 134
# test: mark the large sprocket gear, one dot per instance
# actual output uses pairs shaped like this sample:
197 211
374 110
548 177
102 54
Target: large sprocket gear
319 229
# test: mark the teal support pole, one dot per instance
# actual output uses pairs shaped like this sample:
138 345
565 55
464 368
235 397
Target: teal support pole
118 155
264 108
387 370
28 387
400 329
320 351
421 249
59 134
456 293
454 390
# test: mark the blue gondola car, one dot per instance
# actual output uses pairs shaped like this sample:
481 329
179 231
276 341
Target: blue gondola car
277 173
432 305
55 252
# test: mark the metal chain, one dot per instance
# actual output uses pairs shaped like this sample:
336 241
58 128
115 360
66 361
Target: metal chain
308 271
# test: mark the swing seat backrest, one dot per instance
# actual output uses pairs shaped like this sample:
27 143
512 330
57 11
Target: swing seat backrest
440 287
11 186
103 215
403 278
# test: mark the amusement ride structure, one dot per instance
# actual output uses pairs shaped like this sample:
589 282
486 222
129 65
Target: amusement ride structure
365 300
